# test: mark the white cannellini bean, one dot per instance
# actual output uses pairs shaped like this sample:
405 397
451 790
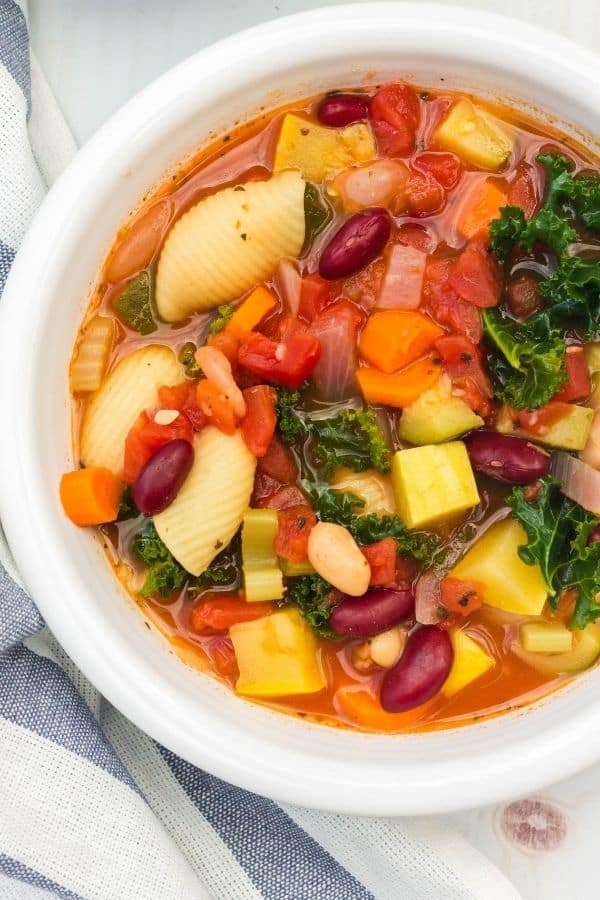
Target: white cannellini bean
387 648
217 369
334 554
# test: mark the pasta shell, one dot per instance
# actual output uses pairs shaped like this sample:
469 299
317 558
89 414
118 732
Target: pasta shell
209 508
228 243
130 388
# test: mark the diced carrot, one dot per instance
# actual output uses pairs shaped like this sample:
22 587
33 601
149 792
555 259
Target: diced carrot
382 556
393 338
90 496
252 311
228 343
218 612
215 406
402 388
363 709
461 597
482 204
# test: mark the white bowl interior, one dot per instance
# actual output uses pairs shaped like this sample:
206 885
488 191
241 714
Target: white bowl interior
65 568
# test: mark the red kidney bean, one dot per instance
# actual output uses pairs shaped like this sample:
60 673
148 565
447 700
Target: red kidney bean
356 244
375 611
506 457
159 482
338 110
421 671
594 535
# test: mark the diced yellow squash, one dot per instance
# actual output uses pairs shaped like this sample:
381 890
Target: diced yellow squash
437 416
470 662
433 483
371 486
277 655
475 135
320 152
585 652
494 561
545 637
568 433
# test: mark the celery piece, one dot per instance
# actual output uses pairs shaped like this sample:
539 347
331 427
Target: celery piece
262 576
545 637
134 304
293 570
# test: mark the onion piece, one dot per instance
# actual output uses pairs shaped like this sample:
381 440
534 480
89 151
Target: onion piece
289 285
336 328
381 183
402 284
578 481
428 598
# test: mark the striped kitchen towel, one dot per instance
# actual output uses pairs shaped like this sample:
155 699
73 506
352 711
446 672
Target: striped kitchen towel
92 807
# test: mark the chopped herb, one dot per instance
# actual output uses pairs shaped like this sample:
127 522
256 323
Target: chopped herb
187 358
224 313
291 425
134 304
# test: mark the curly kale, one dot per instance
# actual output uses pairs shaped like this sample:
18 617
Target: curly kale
352 439
313 597
222 317
164 574
291 426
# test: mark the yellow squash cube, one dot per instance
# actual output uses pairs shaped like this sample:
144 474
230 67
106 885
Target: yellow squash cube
320 152
470 662
277 655
433 483
475 135
494 561
570 432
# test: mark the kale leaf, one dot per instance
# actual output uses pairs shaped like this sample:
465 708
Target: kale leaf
371 528
291 425
316 213
512 228
582 192
528 367
557 540
573 292
352 438
164 574
312 595
222 317
134 304
127 507
335 506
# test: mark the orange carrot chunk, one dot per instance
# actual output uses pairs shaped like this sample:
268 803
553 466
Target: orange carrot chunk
393 338
402 388
251 312
90 496
482 204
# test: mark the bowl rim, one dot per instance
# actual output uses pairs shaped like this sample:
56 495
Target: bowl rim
556 753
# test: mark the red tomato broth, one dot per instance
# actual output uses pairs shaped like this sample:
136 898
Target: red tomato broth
510 683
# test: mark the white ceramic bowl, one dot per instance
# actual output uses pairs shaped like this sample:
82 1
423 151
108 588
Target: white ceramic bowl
65 570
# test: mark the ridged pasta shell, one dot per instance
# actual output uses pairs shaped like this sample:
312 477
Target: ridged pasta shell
209 508
130 388
228 243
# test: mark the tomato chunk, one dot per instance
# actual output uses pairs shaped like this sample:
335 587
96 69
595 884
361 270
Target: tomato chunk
278 462
525 189
215 406
219 650
218 612
183 397
446 168
540 420
146 437
443 303
475 276
289 362
259 423
579 385
381 557
462 361
395 115
461 597
315 294
295 525
424 194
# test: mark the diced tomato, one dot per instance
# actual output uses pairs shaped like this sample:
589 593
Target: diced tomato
523 296
259 423
395 115
443 303
381 557
315 294
219 650
183 397
406 571
227 342
278 462
416 236
540 420
215 406
289 362
424 194
461 597
579 385
295 525
284 497
446 168
475 276
218 612
146 437
462 361
526 188
281 327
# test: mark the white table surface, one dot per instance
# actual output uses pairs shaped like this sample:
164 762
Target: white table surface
96 54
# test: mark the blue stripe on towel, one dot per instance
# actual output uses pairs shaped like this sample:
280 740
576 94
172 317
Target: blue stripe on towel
282 860
15 869
19 617
14 45
7 255
36 694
